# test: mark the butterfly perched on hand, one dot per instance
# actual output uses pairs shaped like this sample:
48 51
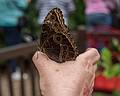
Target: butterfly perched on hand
55 40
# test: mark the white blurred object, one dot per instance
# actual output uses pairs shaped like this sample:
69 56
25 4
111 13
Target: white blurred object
27 38
16 75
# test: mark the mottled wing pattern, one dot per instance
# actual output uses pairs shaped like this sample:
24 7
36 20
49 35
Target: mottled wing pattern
56 40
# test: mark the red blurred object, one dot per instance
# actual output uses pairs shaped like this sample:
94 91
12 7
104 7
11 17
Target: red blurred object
107 84
99 82
94 38
117 84
116 54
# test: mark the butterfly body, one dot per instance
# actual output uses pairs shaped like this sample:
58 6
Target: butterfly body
56 41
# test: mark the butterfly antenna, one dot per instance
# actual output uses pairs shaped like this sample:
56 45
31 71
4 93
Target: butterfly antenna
37 45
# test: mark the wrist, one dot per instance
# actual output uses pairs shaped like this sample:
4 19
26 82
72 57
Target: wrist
62 91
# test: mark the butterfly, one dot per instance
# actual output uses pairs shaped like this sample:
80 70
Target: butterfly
55 39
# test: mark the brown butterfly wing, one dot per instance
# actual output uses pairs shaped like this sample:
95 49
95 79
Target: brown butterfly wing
56 40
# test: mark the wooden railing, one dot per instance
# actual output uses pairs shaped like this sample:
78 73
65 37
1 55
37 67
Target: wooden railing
22 53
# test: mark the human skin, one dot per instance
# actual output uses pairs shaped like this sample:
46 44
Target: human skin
71 78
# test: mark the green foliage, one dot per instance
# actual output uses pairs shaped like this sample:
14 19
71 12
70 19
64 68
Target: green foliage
79 13
111 68
115 93
78 17
115 44
106 56
31 15
101 94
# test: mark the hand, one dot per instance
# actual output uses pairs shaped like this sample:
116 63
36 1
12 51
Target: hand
72 78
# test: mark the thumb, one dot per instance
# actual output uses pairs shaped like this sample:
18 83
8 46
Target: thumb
91 56
40 56
42 61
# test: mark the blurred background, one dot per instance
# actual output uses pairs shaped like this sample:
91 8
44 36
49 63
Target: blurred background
93 23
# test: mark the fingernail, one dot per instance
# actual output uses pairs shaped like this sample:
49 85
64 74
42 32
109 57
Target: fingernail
37 54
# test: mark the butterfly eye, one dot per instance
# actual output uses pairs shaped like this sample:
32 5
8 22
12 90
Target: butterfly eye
57 38
65 47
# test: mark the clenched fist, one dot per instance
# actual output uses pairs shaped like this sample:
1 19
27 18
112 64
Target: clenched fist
71 78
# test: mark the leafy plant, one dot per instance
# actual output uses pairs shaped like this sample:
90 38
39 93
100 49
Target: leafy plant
116 93
115 44
78 17
110 68
32 26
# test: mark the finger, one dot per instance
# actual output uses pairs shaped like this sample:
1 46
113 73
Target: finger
88 86
90 75
91 56
91 81
43 63
89 78
87 89
40 59
39 56
92 68
91 88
